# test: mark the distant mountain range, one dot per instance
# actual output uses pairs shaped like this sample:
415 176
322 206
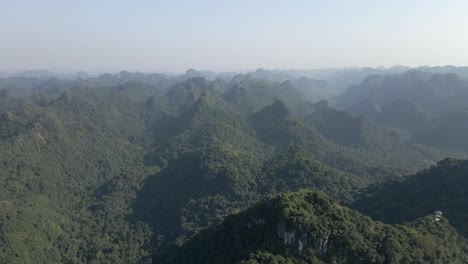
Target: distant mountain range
324 83
425 89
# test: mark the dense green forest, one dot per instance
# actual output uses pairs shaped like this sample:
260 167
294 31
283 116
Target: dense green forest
132 167
441 187
308 227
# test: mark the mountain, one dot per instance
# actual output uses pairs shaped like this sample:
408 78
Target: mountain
192 73
447 131
358 131
308 227
450 103
460 71
404 114
271 75
24 87
341 79
338 80
368 141
185 94
51 87
442 187
121 167
208 122
368 107
252 95
19 87
340 126
314 90
275 124
296 168
41 74
159 80
423 88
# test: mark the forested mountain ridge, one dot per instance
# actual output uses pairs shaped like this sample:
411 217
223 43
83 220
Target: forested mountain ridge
307 227
115 169
442 187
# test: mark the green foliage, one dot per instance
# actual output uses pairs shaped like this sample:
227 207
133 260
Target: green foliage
50 169
442 187
113 171
295 169
307 227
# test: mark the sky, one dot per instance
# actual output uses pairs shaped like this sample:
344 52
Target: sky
224 35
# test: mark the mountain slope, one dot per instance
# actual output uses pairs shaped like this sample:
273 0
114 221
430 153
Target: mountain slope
111 173
404 114
447 131
59 155
442 187
370 143
307 227
343 128
252 95
427 90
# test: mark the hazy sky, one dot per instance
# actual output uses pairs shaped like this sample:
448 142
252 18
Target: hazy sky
173 35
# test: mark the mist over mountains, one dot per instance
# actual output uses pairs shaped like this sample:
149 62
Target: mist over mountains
268 166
